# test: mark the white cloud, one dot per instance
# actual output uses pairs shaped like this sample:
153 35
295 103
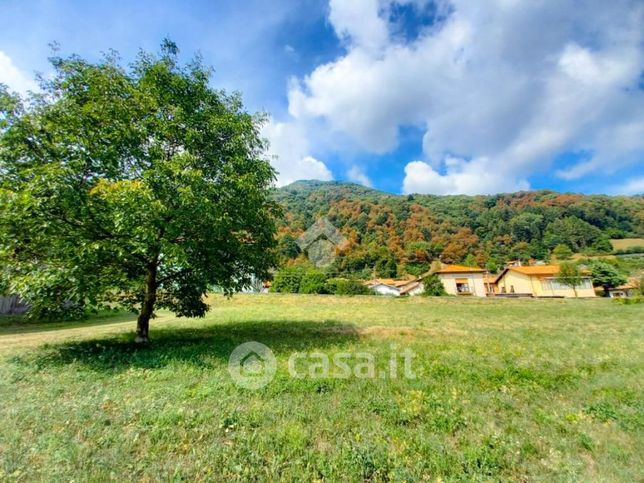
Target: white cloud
633 186
289 151
357 175
506 85
358 22
474 177
12 76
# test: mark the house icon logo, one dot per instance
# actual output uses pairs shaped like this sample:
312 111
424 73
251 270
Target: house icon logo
320 242
252 365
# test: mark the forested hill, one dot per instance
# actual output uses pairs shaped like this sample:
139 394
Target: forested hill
407 232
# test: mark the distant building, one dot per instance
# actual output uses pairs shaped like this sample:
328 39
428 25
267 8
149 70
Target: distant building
538 281
396 288
462 280
490 284
623 291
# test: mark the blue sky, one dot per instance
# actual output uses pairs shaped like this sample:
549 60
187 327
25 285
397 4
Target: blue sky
443 96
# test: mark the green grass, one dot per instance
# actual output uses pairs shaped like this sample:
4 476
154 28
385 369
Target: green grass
625 243
505 390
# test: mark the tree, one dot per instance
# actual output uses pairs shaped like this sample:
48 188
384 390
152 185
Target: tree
287 247
386 267
492 265
526 226
470 261
432 286
606 276
419 255
570 276
571 231
136 187
602 245
562 252
459 245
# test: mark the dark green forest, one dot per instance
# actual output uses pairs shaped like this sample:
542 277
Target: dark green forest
394 235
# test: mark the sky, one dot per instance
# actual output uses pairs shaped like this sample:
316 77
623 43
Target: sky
409 96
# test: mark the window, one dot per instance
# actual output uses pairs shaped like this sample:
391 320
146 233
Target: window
554 284
462 286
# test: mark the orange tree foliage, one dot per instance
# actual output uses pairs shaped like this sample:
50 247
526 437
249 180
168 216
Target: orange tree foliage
410 231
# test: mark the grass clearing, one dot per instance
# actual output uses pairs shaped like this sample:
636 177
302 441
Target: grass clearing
626 243
505 389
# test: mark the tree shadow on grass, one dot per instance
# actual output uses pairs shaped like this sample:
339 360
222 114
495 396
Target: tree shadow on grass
199 346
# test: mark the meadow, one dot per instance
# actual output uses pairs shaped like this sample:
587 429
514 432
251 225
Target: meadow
517 390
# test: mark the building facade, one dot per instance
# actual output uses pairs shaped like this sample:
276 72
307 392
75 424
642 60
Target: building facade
462 280
539 281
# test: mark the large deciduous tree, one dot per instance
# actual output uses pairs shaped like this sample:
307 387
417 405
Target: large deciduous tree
137 187
606 276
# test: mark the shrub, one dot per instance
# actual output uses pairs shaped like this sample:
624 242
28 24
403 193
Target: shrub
562 252
630 250
638 299
313 281
433 286
288 280
344 286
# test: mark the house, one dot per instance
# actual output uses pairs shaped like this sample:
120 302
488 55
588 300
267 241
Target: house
415 287
538 281
462 280
623 291
490 284
396 288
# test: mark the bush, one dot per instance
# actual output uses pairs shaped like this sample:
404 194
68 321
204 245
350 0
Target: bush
313 281
344 286
602 245
638 299
432 286
562 252
629 250
288 280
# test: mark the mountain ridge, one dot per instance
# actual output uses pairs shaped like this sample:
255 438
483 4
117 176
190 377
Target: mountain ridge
406 232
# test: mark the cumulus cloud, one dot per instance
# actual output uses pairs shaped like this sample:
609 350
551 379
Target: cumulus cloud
501 86
357 175
289 152
16 79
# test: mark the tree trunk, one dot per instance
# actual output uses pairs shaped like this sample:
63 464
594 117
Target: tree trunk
147 308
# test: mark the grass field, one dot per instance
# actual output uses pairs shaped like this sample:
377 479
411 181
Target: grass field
625 243
505 389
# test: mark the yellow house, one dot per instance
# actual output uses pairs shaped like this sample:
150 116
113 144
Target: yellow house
539 281
462 280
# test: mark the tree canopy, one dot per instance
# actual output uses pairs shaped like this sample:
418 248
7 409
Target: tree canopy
606 275
136 187
385 230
